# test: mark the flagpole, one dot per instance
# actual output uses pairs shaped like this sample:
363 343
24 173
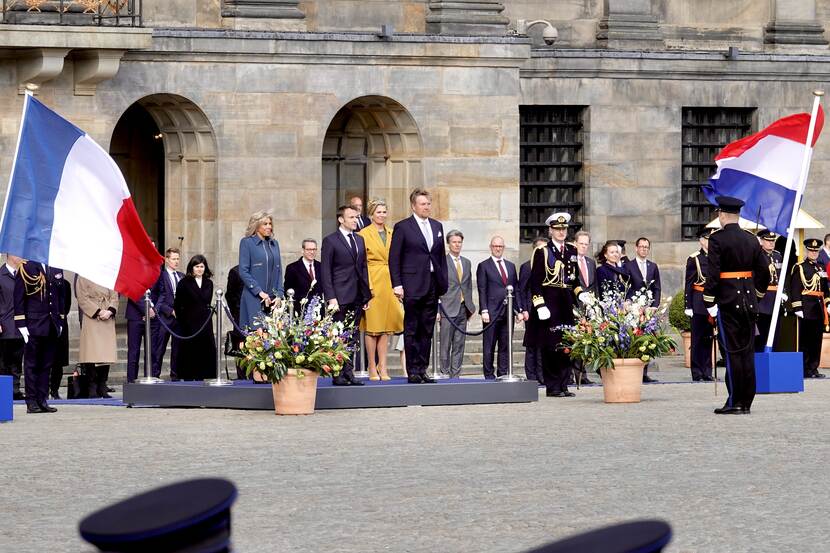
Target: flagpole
802 182
30 88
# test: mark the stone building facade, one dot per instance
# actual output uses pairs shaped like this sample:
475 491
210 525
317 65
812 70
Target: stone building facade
217 108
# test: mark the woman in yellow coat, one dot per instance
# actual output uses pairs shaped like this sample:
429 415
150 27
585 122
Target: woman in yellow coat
385 316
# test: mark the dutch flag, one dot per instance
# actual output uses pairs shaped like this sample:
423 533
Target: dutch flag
68 206
763 170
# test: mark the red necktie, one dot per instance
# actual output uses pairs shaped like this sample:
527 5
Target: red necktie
583 268
311 271
503 274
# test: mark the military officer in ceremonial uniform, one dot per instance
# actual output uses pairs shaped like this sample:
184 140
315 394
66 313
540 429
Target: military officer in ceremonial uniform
554 287
809 295
38 316
737 276
767 303
697 266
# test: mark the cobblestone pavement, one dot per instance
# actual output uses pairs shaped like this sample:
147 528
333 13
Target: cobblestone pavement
442 479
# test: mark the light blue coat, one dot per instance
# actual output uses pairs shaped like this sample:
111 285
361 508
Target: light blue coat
261 270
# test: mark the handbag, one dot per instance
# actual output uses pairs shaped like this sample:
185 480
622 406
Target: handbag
232 340
77 385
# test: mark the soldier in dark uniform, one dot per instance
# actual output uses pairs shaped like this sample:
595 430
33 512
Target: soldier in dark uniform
737 276
809 295
38 316
554 287
697 266
767 303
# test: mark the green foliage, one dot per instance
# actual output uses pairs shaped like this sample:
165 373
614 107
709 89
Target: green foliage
677 318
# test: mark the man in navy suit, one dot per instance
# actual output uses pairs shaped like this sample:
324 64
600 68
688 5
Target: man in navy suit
344 278
493 276
416 269
645 275
165 292
587 281
301 276
135 335
356 203
38 308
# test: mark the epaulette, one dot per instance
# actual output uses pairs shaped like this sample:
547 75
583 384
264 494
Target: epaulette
749 232
714 231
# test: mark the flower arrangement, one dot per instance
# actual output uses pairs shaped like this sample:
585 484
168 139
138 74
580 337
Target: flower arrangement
311 340
612 327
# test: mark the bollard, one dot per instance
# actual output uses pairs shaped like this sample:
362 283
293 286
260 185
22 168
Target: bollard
436 350
289 295
218 381
358 362
148 364
510 377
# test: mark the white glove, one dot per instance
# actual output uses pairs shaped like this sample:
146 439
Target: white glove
799 314
25 333
543 313
713 311
582 296
688 312
784 296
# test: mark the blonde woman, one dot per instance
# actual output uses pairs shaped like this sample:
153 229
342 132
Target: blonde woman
386 315
259 267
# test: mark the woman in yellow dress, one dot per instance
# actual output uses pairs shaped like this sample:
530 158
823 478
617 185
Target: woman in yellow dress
385 316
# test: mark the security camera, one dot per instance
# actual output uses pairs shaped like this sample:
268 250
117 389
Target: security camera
550 34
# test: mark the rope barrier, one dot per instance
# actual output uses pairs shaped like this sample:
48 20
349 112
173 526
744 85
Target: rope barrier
233 322
167 328
478 333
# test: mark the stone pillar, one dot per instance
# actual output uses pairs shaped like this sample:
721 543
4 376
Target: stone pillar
794 22
629 24
467 17
275 15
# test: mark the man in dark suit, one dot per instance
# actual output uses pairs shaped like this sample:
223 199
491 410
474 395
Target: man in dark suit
38 317
645 277
233 298
824 253
344 278
587 281
416 269
301 276
458 305
11 342
135 335
533 355
356 203
165 292
493 276
697 266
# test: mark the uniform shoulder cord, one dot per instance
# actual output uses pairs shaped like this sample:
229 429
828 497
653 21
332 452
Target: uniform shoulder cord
36 284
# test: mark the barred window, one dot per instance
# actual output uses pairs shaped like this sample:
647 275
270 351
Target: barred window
705 132
550 166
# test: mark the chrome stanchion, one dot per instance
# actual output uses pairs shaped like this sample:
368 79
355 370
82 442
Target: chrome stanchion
218 381
436 350
510 377
148 346
289 295
359 361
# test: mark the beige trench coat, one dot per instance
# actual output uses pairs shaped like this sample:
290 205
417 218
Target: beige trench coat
97 337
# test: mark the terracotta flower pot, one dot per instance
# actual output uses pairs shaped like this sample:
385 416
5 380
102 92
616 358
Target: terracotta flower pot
824 360
687 348
295 395
622 383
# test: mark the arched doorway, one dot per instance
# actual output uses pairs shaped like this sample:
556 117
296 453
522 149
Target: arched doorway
372 149
166 149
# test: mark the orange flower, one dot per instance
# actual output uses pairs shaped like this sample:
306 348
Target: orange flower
326 369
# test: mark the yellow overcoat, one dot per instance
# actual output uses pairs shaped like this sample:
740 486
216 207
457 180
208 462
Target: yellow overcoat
385 313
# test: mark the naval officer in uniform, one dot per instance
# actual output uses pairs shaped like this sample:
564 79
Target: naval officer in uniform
810 296
697 266
767 303
737 277
554 288
38 317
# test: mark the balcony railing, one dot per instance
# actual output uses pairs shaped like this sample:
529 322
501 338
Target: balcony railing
116 13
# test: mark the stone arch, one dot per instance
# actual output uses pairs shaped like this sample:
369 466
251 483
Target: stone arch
372 148
190 178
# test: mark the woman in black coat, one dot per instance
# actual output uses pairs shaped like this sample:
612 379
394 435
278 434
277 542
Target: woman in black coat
194 293
609 275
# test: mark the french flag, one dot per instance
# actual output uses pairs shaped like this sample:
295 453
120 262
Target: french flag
763 170
68 206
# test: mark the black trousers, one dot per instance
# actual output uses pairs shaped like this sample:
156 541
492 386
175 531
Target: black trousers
809 343
556 367
418 326
135 337
38 358
160 347
533 364
11 360
763 323
357 312
702 335
737 333
496 335
97 376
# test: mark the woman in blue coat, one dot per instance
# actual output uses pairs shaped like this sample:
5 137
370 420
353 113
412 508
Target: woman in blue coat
259 267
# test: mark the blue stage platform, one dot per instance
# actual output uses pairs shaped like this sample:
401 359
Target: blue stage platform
393 393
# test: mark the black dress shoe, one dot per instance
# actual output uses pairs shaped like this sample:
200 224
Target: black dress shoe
34 409
105 395
707 379
734 410
18 396
414 379
340 382
47 409
427 380
586 380
647 378
818 375
696 379
354 382
555 394
110 389
566 393
55 395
